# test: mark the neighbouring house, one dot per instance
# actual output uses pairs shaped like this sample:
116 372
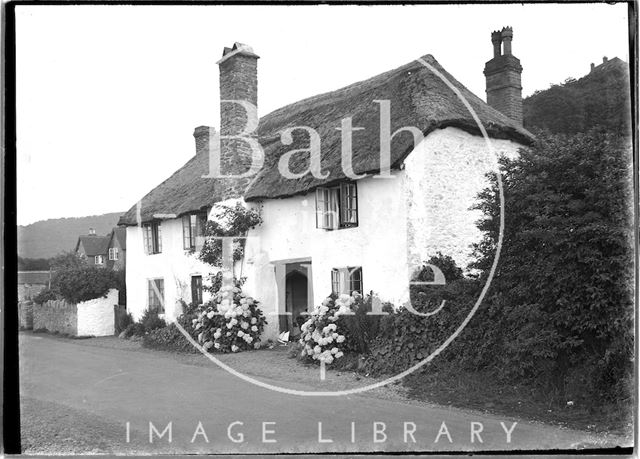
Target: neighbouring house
30 283
340 232
117 248
93 248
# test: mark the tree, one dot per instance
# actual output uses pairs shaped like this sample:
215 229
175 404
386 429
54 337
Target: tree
67 260
562 295
33 264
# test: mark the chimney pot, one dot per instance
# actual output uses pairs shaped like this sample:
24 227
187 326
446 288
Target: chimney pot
507 36
496 39
92 232
503 77
593 66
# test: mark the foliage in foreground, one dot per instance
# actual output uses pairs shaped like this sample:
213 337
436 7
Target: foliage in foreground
559 313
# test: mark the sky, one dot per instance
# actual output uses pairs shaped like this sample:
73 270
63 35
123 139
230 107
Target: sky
108 96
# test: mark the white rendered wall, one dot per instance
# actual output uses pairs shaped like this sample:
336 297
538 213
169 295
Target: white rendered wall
377 244
444 175
174 264
96 317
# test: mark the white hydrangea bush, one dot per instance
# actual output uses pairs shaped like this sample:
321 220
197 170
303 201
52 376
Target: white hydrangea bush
231 322
324 337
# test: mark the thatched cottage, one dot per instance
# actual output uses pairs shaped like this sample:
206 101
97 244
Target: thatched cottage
334 233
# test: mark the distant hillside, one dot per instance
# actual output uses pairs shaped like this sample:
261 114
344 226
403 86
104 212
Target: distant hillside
47 238
599 99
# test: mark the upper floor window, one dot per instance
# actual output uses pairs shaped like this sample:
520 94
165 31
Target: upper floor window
155 300
337 206
113 253
193 226
99 259
346 280
152 237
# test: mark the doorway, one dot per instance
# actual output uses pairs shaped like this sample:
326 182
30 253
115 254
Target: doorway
295 296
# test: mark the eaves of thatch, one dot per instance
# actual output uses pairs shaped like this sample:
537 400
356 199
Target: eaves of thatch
418 97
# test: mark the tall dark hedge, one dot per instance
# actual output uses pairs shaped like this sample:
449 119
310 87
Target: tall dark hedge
560 308
559 312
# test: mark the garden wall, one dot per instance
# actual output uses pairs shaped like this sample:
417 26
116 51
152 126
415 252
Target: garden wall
88 318
96 317
56 316
25 315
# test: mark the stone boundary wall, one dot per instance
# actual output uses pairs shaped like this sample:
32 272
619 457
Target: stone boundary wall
25 315
56 316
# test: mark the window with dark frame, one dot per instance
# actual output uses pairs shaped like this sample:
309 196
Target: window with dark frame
156 295
337 206
152 237
196 290
193 226
346 280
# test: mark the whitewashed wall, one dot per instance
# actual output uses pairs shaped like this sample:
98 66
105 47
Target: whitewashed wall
96 317
444 175
175 265
289 232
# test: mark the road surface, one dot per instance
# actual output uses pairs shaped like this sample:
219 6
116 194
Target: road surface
96 399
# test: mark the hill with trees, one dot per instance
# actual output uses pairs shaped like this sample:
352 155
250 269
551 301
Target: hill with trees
599 99
47 238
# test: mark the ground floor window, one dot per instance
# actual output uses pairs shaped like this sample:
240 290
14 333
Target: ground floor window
99 259
156 295
196 290
346 280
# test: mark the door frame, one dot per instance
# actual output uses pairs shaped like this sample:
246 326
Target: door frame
280 271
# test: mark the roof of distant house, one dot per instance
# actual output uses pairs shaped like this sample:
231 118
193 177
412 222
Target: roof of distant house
93 245
120 234
418 97
33 277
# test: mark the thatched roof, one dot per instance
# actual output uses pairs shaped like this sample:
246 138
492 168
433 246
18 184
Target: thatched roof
418 98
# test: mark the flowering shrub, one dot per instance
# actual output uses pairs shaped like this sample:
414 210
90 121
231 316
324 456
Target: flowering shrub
231 322
232 219
323 335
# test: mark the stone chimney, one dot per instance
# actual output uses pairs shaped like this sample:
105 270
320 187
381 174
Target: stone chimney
92 232
605 60
504 88
238 81
593 66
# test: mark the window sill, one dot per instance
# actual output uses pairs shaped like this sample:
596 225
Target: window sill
339 228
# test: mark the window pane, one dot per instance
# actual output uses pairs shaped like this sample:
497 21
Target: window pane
158 241
335 281
320 208
186 232
333 208
355 280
